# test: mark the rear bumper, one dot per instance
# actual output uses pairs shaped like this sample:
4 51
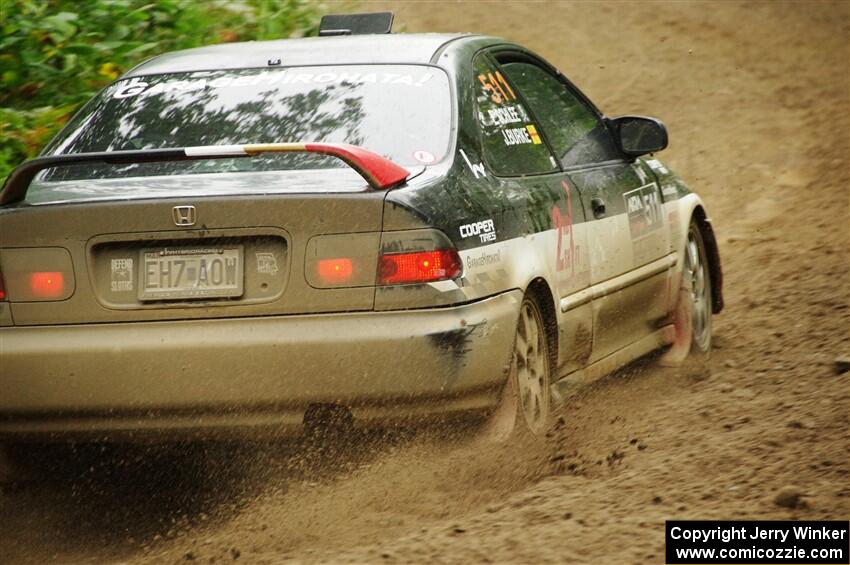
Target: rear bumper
227 376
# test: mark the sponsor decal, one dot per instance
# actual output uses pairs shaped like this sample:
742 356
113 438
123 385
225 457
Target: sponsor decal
484 259
562 220
643 207
485 230
266 263
122 275
657 166
423 156
133 88
477 169
669 190
532 133
136 86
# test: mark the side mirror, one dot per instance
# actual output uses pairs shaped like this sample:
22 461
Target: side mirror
638 136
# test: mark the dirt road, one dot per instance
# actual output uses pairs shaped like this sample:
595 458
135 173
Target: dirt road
757 100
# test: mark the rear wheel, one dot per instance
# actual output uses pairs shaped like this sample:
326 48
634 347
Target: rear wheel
526 401
692 318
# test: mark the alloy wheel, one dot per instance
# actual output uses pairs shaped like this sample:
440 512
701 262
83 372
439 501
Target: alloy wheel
532 367
698 285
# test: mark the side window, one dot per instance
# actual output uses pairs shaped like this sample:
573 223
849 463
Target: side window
510 140
576 133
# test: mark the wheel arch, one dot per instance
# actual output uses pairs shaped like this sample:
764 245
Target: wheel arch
703 223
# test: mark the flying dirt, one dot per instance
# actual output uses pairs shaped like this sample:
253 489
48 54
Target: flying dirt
756 97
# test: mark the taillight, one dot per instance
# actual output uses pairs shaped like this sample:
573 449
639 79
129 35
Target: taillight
36 274
47 284
342 260
419 267
335 271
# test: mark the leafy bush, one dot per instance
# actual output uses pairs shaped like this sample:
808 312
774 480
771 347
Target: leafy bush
55 54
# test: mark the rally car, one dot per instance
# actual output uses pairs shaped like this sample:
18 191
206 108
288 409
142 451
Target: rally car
236 238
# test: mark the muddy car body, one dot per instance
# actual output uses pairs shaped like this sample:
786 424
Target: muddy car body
397 299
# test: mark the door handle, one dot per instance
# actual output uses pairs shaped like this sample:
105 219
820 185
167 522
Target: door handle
598 207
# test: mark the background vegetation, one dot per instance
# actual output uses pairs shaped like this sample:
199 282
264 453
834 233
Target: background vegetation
56 54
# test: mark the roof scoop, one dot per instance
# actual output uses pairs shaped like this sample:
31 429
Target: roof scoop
356 24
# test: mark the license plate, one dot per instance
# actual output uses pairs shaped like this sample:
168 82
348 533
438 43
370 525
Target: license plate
186 273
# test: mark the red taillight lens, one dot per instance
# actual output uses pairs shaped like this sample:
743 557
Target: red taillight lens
3 295
425 266
335 271
47 284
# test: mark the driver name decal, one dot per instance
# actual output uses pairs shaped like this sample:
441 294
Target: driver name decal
502 116
516 136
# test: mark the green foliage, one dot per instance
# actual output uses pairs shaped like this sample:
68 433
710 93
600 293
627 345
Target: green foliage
56 54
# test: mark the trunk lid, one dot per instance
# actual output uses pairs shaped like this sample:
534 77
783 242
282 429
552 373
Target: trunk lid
250 245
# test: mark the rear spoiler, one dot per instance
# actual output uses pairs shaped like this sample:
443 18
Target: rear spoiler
379 172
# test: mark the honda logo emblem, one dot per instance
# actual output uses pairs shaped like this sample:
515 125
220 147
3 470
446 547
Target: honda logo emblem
183 215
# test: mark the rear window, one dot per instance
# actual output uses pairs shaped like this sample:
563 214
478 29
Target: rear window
402 112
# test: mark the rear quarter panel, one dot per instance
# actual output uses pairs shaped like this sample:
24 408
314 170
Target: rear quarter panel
504 228
499 226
